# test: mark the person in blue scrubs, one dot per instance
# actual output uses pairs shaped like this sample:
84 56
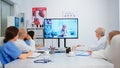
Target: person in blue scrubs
31 36
9 52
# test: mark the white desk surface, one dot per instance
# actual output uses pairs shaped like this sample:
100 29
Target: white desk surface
60 60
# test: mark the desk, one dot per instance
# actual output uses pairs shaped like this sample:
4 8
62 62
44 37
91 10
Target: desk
62 61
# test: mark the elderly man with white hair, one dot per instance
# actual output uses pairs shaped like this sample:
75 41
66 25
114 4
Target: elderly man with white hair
102 40
100 44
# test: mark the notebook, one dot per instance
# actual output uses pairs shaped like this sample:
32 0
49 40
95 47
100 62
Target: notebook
40 51
42 61
82 53
34 55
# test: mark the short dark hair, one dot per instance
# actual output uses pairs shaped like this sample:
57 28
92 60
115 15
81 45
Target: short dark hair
10 33
31 33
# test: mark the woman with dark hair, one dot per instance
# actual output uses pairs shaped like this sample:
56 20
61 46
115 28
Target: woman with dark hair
30 36
29 40
9 52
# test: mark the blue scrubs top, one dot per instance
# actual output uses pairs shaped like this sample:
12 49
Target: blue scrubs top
9 52
27 42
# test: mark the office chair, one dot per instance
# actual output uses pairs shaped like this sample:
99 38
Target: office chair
0 65
1 40
115 51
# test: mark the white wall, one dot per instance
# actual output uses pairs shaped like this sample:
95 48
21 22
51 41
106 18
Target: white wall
91 14
113 14
119 14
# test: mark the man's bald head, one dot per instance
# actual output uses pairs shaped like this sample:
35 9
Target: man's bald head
22 33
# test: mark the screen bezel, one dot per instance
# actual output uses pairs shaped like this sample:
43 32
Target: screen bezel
61 37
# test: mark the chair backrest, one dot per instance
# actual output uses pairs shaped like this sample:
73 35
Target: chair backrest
115 51
0 65
1 40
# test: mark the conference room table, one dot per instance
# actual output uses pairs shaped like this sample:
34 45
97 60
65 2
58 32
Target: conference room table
61 60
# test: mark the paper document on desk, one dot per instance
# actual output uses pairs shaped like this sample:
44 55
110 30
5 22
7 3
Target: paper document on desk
82 53
40 51
34 55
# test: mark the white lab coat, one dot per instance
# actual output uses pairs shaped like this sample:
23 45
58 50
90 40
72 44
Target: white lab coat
103 54
100 44
32 44
23 46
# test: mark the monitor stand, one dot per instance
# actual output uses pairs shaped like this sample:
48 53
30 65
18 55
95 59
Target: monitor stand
58 43
64 43
60 50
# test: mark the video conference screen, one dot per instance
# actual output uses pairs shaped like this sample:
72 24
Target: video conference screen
61 28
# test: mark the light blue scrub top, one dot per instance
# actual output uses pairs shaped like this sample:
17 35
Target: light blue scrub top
9 52
27 42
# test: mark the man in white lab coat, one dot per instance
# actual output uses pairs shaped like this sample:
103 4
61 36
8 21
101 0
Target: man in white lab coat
102 40
20 43
106 53
100 44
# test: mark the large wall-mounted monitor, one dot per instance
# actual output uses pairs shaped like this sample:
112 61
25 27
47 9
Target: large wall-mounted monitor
61 28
